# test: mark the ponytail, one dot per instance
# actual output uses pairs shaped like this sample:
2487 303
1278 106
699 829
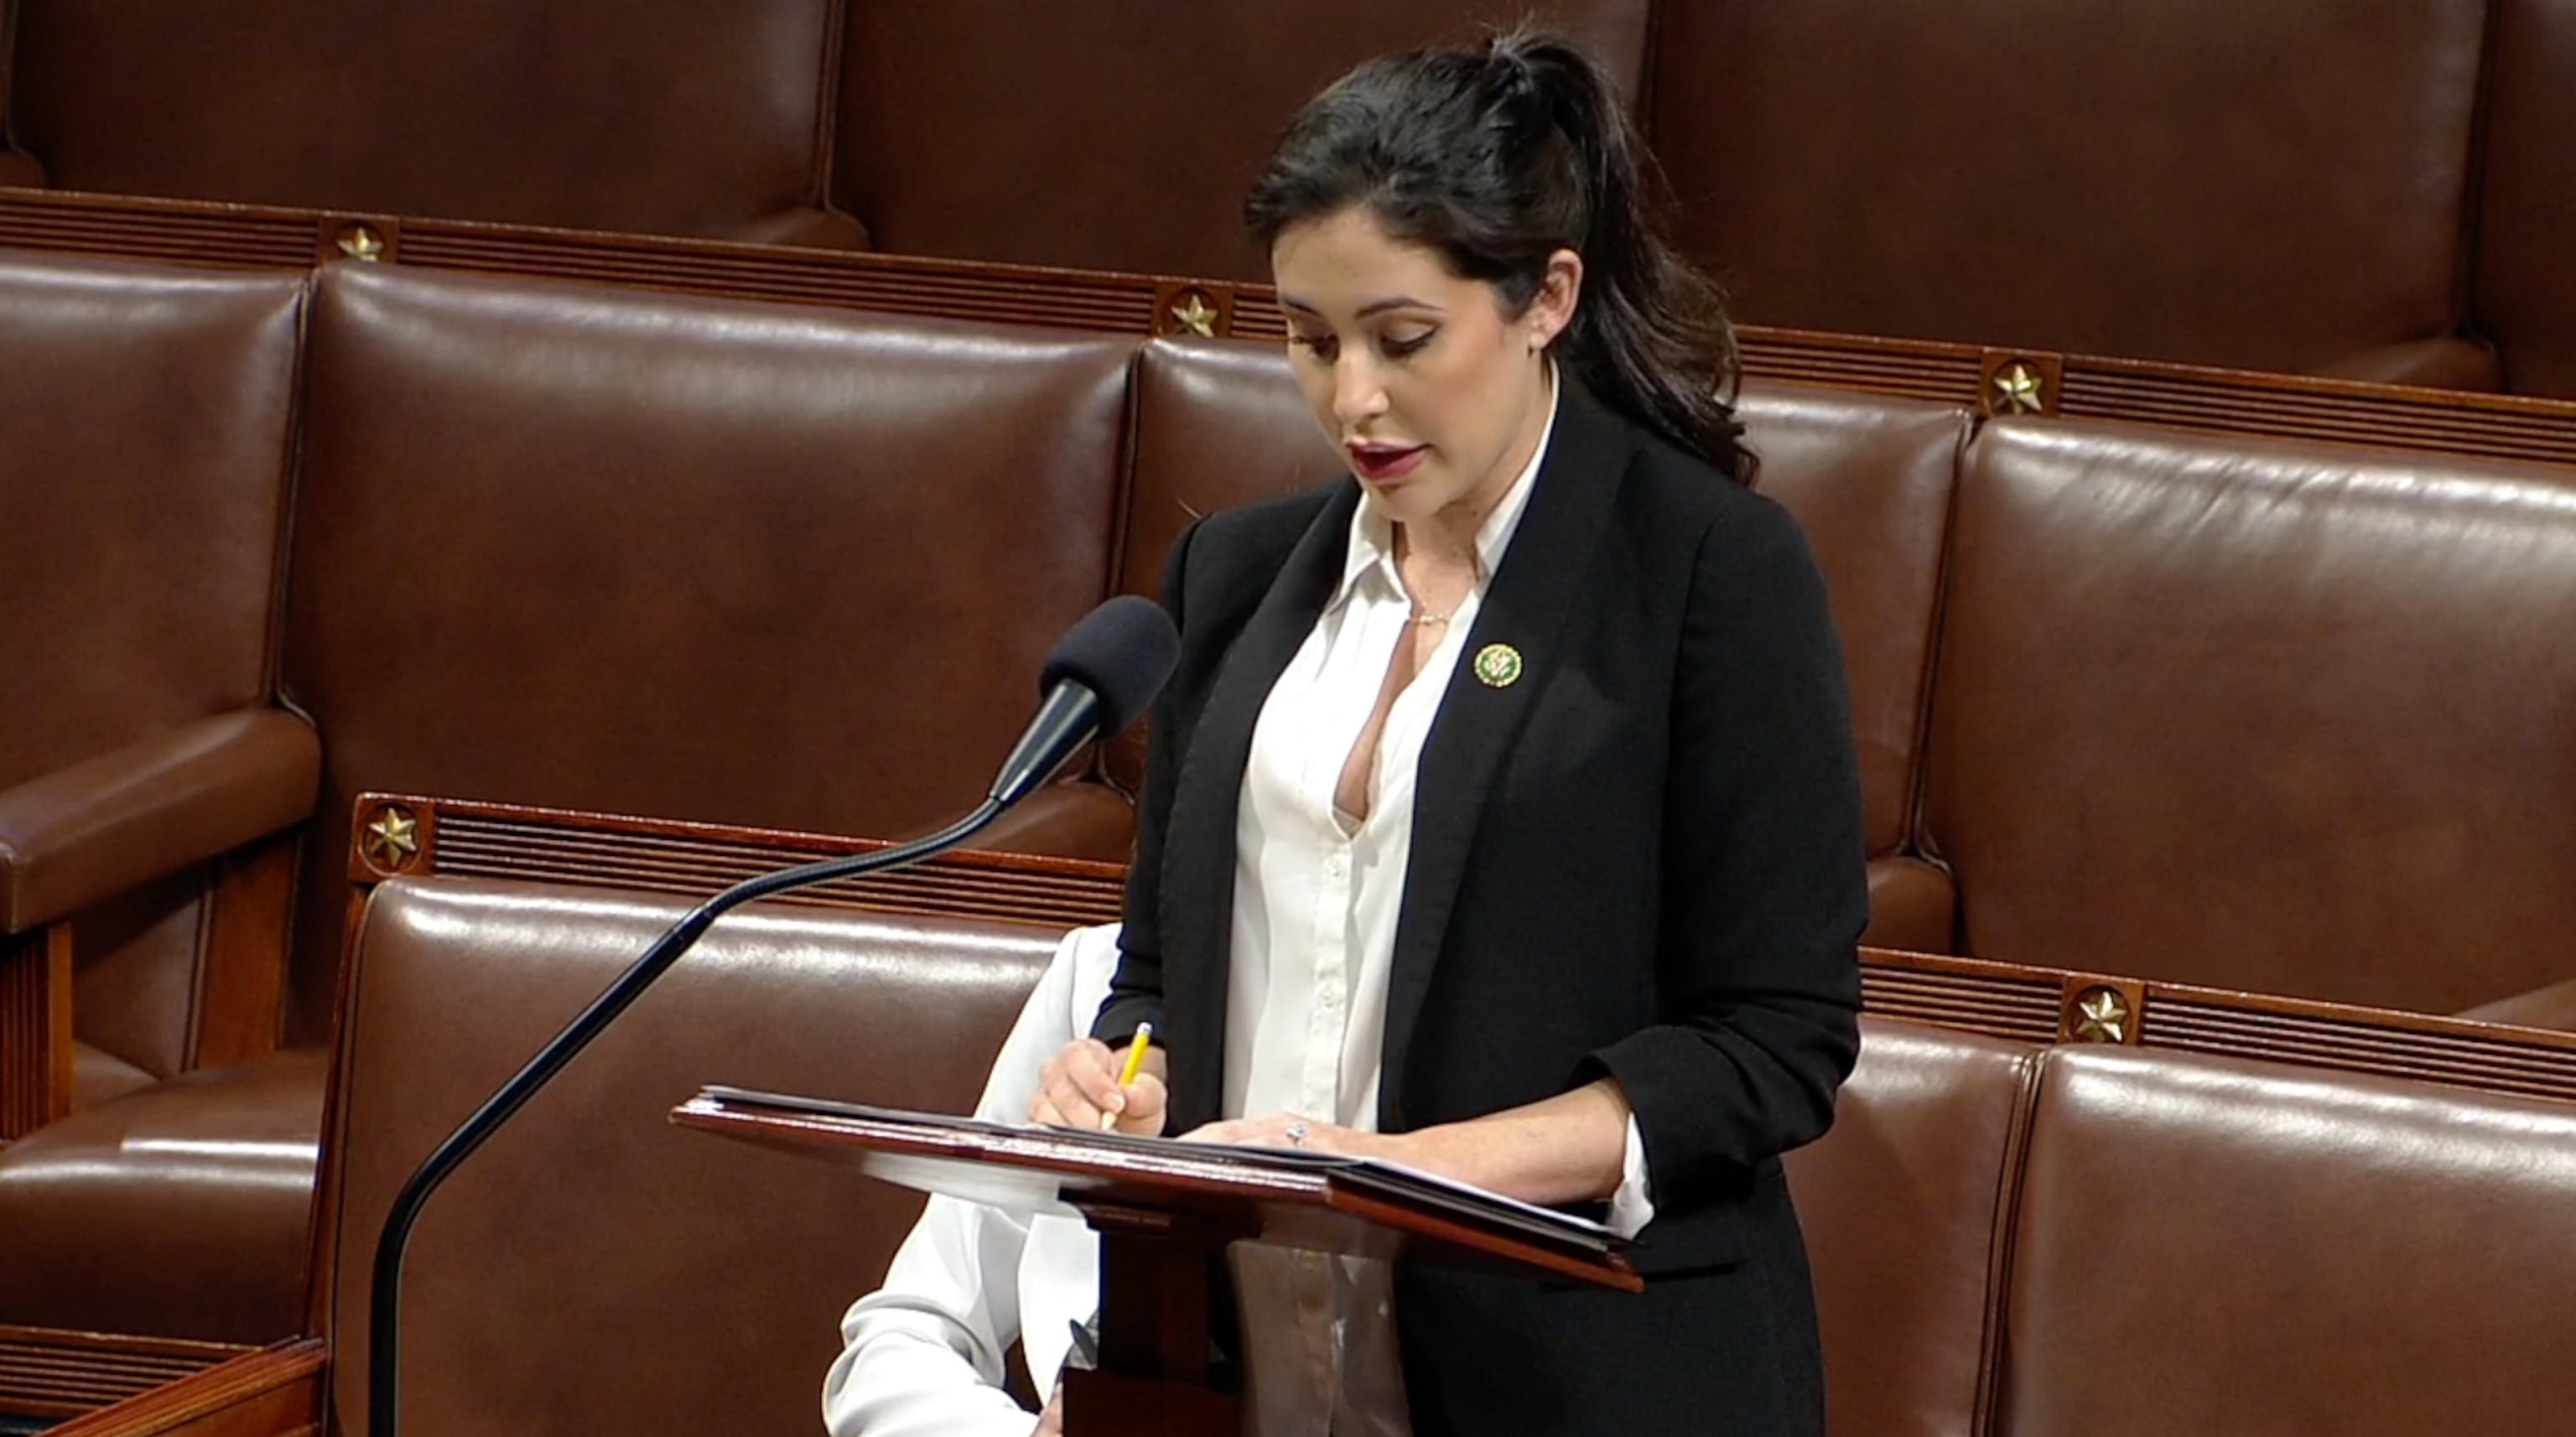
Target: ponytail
1496 157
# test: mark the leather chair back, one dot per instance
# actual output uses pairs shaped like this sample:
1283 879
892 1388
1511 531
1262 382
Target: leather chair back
1870 480
726 561
1907 1207
1115 134
2277 186
669 116
2211 1245
593 1269
147 412
2525 290
1219 423
2263 714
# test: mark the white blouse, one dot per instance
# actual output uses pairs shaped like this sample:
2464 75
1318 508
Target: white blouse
1316 899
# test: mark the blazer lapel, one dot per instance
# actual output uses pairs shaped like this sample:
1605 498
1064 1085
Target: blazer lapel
1198 843
1524 609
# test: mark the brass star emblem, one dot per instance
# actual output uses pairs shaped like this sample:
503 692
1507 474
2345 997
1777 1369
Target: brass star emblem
393 838
360 243
2017 390
1195 314
2104 1016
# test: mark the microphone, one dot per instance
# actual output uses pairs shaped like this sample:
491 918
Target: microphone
1101 675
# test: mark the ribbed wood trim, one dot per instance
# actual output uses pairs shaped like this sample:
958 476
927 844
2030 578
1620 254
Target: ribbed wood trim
1117 302
697 860
49 1373
275 1391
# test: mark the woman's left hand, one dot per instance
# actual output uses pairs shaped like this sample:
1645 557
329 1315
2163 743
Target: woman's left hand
1287 1130
1568 1148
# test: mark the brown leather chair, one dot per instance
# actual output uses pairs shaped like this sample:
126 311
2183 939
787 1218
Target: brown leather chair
144 775
1870 480
2525 295
593 1269
2207 1245
181 1210
1907 1209
2277 186
1115 134
1220 423
560 545
2272 715
668 116
564 545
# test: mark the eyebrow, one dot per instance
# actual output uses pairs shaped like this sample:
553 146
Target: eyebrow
1373 307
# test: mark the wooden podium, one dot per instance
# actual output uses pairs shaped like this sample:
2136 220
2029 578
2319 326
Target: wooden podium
1165 1211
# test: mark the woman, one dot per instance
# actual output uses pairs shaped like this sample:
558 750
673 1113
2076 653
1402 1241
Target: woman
1502 817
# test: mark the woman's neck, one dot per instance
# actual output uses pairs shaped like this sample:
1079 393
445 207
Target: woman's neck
1450 535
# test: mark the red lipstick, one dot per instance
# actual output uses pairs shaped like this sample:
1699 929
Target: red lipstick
1382 463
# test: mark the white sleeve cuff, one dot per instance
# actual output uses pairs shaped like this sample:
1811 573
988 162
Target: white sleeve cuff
1633 1205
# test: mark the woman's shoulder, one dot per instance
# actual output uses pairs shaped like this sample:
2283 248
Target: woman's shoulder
1276 523
1239 550
1686 500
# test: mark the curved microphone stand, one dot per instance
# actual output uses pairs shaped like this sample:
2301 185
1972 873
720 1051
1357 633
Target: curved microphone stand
1101 675
385 1293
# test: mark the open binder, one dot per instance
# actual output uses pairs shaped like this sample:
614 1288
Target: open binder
1165 1210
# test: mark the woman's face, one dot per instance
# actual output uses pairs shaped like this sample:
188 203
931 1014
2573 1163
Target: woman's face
1436 397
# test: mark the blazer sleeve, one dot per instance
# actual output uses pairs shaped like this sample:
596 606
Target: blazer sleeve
1136 993
1765 885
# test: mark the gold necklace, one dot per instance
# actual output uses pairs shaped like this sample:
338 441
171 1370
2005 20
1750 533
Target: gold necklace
1415 618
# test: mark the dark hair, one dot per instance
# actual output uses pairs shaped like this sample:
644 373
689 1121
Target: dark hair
1496 156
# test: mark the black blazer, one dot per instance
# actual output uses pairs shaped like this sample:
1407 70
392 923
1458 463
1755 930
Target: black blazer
1642 857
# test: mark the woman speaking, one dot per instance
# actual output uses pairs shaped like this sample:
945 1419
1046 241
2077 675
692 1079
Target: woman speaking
1501 819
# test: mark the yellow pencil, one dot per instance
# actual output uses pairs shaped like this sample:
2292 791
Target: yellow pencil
1135 1064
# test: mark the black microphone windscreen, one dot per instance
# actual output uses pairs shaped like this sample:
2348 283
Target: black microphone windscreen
1122 652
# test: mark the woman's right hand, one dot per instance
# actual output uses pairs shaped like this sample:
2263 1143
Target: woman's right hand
1080 1083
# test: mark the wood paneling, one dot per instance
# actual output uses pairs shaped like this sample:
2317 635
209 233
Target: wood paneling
696 860
2040 1005
35 1029
241 987
271 1392
48 1373
2210 400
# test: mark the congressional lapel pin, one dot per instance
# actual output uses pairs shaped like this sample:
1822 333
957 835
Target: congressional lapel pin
1498 665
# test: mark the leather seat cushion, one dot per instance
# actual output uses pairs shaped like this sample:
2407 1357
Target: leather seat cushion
99 1075
180 1209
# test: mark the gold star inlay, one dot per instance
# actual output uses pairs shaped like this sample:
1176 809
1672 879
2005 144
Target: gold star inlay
1195 314
2104 1016
393 838
2017 390
361 243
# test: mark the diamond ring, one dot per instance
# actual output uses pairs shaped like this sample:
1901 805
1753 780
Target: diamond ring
1297 1135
